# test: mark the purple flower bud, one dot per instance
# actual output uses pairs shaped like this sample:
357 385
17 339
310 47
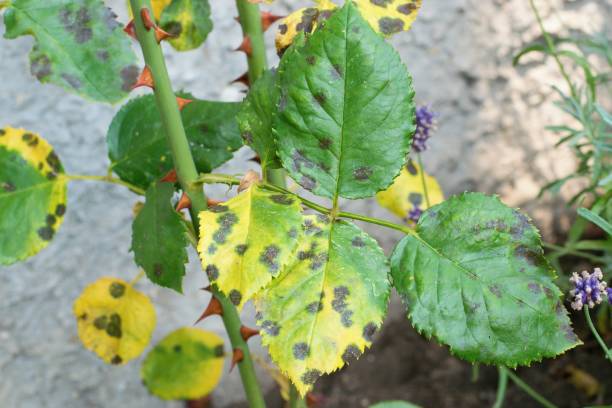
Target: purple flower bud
588 289
425 124
609 291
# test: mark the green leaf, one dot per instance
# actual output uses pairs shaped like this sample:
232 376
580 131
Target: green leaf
186 365
114 320
189 21
394 404
32 194
474 276
346 111
256 117
248 240
158 238
138 148
79 46
322 310
595 219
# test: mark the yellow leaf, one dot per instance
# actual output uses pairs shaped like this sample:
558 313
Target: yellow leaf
303 20
389 16
157 5
114 320
407 191
185 365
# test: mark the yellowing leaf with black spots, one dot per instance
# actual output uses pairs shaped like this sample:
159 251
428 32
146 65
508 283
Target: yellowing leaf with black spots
407 192
304 20
189 21
114 320
389 16
185 365
323 309
79 46
32 194
248 240
158 7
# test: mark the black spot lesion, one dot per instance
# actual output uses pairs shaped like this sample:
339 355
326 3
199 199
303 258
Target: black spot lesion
54 162
320 98
300 160
407 8
301 351
116 360
241 249
369 330
219 351
311 228
351 352
314 307
495 289
311 60
116 289
129 75
212 272
325 143
218 208
529 255
60 210
110 324
346 318
226 222
30 139
534 287
358 242
310 376
389 25
40 67
416 199
77 23
269 257
235 297
158 270
270 327
46 233
308 182
339 301
381 3
363 173
212 248
174 28
8 187
282 199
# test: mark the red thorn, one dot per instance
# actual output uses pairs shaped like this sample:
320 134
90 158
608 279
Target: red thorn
246 46
145 79
182 102
247 332
314 400
212 202
130 30
184 202
146 18
206 288
161 35
170 177
237 357
256 159
267 19
243 79
213 308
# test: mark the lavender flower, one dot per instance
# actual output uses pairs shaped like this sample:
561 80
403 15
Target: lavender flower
588 289
414 214
425 124
609 290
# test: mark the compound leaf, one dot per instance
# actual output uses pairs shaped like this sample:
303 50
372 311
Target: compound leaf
79 46
114 320
248 240
256 117
32 194
476 278
189 21
407 191
186 365
137 145
323 309
159 238
346 111
389 16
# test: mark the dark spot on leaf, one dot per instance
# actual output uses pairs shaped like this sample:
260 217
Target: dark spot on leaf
559 309
212 248
113 328
218 208
407 8
358 242
283 28
569 333
495 290
30 139
270 327
339 300
50 220
362 173
2 132
116 289
308 182
310 228
300 351
318 261
369 330
46 233
269 257
534 288
212 272
235 297
350 353
309 18
102 55
311 59
219 351
390 25
8 187
323 218
129 75
320 98
300 160
77 23
311 376
174 28
54 162
158 269
411 167
548 292
314 307
72 80
282 199
177 348
116 360
40 67
292 233
100 322
381 3
325 143
522 224
60 210
530 256
415 198
347 318
241 249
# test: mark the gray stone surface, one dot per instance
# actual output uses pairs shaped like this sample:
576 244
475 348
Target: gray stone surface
491 138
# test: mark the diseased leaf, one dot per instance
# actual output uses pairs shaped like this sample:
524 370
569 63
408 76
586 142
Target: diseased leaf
407 192
185 365
114 320
304 20
137 145
189 21
158 7
389 16
256 116
476 278
346 111
159 238
248 240
32 194
322 310
79 46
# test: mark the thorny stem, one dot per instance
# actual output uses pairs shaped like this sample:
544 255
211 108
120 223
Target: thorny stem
187 174
530 391
551 47
501 388
605 348
106 179
423 180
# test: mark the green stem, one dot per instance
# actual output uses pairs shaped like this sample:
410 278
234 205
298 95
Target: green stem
106 179
187 175
552 49
501 388
530 391
250 20
423 180
605 348
295 400
570 251
475 372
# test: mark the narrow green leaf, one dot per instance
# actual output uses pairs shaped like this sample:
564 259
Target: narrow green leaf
248 240
607 117
322 311
79 46
595 219
475 277
189 21
346 111
256 117
137 145
158 238
32 194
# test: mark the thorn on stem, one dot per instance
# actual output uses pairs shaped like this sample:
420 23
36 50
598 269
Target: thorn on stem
243 79
171 177
182 102
161 35
267 19
184 202
130 30
213 308
145 79
237 357
247 332
256 159
246 46
147 21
